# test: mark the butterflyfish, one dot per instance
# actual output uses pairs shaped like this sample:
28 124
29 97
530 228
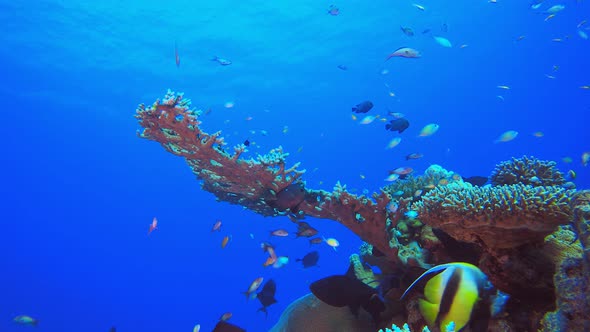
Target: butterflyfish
459 293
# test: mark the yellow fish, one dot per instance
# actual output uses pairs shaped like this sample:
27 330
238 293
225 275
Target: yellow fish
507 136
455 293
429 130
394 142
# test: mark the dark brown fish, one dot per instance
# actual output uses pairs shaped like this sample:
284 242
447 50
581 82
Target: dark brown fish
227 327
316 240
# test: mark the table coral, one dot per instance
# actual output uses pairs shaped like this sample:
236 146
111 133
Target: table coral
497 217
264 185
527 170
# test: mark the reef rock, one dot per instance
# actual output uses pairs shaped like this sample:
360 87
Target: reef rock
308 313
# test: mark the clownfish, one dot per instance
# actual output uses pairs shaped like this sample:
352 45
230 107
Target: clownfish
458 293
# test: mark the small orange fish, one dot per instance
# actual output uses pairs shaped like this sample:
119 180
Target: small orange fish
456 177
225 241
253 286
429 186
538 134
280 232
225 317
269 261
216 226
443 182
316 240
176 55
153 226
418 193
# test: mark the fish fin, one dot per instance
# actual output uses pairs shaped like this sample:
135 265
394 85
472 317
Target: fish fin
436 269
429 311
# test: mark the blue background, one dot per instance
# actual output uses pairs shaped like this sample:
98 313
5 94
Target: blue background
79 189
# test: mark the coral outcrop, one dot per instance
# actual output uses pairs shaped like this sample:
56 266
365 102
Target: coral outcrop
572 278
527 170
497 217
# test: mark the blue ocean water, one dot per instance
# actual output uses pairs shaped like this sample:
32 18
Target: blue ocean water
79 188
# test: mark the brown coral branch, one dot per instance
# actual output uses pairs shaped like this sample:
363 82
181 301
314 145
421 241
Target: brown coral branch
263 185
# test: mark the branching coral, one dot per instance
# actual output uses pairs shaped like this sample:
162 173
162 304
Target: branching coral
527 170
500 217
264 185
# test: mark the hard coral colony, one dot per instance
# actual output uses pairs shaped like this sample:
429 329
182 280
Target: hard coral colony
520 232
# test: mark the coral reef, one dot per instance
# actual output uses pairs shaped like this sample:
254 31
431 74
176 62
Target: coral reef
527 170
517 231
497 217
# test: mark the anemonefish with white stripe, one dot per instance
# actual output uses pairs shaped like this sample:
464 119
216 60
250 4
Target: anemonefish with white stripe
458 293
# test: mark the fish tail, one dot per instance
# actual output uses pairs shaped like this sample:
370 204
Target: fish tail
263 309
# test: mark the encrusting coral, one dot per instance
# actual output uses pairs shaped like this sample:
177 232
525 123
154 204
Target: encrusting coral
527 170
500 217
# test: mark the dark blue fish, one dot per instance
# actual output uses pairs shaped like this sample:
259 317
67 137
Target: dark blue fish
267 295
310 259
363 107
342 291
398 125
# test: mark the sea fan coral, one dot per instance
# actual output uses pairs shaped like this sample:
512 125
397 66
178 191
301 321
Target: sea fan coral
527 170
500 217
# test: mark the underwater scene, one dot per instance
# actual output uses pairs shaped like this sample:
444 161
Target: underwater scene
286 166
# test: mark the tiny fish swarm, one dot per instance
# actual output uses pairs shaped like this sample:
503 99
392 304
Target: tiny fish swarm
527 170
501 217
